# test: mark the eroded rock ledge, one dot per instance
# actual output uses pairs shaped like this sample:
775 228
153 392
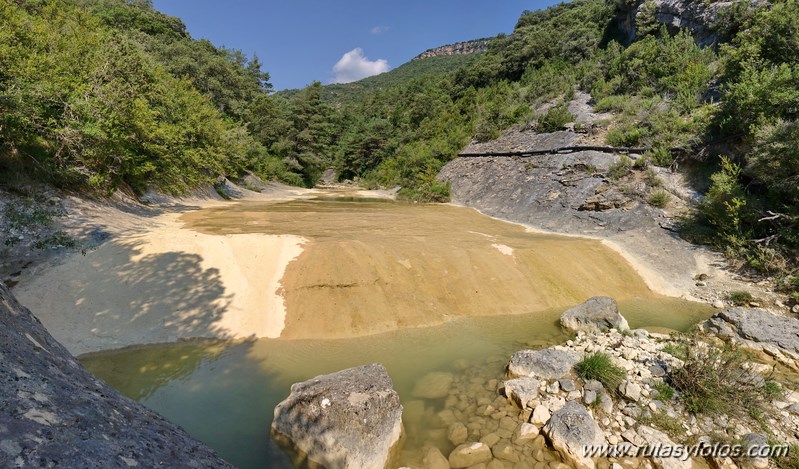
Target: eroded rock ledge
54 413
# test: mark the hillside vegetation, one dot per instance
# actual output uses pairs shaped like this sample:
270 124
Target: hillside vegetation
350 93
105 94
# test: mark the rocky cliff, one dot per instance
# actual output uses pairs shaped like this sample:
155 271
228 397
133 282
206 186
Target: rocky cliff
700 18
460 48
54 413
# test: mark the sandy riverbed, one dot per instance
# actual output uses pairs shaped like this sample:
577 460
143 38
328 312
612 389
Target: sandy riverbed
184 275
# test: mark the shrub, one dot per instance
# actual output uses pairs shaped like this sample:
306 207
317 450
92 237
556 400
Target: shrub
620 168
740 298
598 366
652 179
555 118
659 198
725 201
713 381
611 103
626 136
660 157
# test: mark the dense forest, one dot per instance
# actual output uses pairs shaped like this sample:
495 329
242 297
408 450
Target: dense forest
98 95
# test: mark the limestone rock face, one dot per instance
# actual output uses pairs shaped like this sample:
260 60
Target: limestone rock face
758 329
55 413
570 430
698 18
460 48
349 419
543 364
597 314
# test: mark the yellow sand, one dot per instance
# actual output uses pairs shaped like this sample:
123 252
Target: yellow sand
376 267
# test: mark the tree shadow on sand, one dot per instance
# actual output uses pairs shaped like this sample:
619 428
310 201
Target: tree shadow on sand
124 298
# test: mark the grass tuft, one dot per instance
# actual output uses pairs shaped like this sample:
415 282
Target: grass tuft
598 366
659 198
740 298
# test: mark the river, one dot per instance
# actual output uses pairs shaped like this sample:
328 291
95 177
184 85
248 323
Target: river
419 288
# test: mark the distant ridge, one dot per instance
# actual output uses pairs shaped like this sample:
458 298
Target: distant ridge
459 48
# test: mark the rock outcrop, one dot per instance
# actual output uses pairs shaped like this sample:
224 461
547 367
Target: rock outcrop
698 18
757 329
570 430
597 314
461 48
55 413
349 419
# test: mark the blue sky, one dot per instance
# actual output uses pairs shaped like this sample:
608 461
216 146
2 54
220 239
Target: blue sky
300 41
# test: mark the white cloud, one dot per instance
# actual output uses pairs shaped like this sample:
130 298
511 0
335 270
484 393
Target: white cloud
377 30
354 66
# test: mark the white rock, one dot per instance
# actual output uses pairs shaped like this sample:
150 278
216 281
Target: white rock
525 432
540 416
631 390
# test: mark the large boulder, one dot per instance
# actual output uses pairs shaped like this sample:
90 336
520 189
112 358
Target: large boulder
570 430
758 329
349 419
597 314
55 413
543 364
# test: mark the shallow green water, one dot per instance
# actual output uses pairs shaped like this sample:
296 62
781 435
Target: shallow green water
224 394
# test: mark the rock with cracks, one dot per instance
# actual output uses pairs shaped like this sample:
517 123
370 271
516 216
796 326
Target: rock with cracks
570 430
598 314
349 419
760 330
542 364
54 413
522 391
